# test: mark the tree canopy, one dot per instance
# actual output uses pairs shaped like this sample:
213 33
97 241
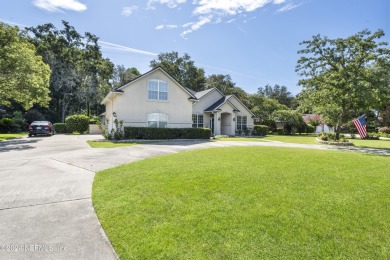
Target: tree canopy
24 77
122 75
182 69
339 79
80 74
278 93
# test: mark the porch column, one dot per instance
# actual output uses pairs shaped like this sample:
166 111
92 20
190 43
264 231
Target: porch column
217 123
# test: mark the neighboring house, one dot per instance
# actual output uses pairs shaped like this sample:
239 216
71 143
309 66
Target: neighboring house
323 127
156 99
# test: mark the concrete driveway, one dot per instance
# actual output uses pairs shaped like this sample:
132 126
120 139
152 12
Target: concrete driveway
45 192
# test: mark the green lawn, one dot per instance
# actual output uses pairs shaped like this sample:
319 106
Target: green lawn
297 139
248 203
107 144
245 139
381 144
11 136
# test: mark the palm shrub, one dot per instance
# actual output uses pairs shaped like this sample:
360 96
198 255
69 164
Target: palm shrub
77 123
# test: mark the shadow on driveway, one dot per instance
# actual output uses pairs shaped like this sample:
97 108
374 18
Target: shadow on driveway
17 144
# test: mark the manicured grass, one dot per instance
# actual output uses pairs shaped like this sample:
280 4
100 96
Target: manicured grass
11 136
245 139
106 144
248 203
381 144
296 139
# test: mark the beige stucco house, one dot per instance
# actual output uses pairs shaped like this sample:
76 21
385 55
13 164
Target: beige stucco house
156 99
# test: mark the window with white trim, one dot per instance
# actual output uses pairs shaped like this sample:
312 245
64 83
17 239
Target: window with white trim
157 89
197 121
241 123
157 120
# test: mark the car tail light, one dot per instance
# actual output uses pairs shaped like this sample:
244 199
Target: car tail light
47 127
30 127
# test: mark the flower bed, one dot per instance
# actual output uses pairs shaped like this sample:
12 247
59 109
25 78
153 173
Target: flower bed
335 143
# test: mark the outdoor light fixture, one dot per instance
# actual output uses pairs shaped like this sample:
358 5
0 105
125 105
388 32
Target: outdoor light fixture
219 119
114 114
234 119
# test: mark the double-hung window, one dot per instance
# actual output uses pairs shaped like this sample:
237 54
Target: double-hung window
241 123
157 120
197 121
157 89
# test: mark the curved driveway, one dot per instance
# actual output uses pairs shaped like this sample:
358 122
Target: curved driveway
45 192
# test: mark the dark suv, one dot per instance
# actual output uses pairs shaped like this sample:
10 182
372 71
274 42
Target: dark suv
41 128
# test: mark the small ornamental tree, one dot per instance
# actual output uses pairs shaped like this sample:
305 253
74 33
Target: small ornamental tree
343 78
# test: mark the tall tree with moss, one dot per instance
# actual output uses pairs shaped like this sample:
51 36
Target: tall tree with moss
24 77
183 69
80 74
338 79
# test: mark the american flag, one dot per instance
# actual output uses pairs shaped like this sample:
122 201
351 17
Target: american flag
360 124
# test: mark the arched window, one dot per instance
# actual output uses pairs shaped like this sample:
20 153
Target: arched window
158 120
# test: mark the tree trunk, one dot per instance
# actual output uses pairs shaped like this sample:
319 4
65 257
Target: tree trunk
337 135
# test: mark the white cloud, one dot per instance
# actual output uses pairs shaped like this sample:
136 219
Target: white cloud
231 20
195 26
167 26
228 7
287 7
169 3
213 11
113 46
59 5
159 27
216 11
129 10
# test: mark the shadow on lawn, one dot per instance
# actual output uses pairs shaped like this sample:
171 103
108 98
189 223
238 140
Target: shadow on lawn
371 151
17 144
176 142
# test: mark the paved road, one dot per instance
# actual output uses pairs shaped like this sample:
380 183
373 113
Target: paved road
45 192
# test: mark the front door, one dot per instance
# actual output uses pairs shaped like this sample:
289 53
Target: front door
212 124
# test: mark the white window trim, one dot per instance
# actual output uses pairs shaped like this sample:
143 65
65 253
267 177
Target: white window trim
241 125
197 121
158 121
158 90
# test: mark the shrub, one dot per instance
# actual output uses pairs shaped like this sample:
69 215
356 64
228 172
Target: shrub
309 129
384 130
260 130
33 115
166 133
77 123
6 125
280 131
60 127
373 136
330 137
18 122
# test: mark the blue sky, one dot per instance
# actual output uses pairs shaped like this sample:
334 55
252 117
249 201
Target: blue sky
255 41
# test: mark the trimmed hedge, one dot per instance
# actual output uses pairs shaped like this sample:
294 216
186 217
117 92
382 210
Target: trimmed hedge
60 128
260 130
77 123
166 133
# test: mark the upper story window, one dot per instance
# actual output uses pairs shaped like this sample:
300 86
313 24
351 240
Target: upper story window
241 123
197 121
157 89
